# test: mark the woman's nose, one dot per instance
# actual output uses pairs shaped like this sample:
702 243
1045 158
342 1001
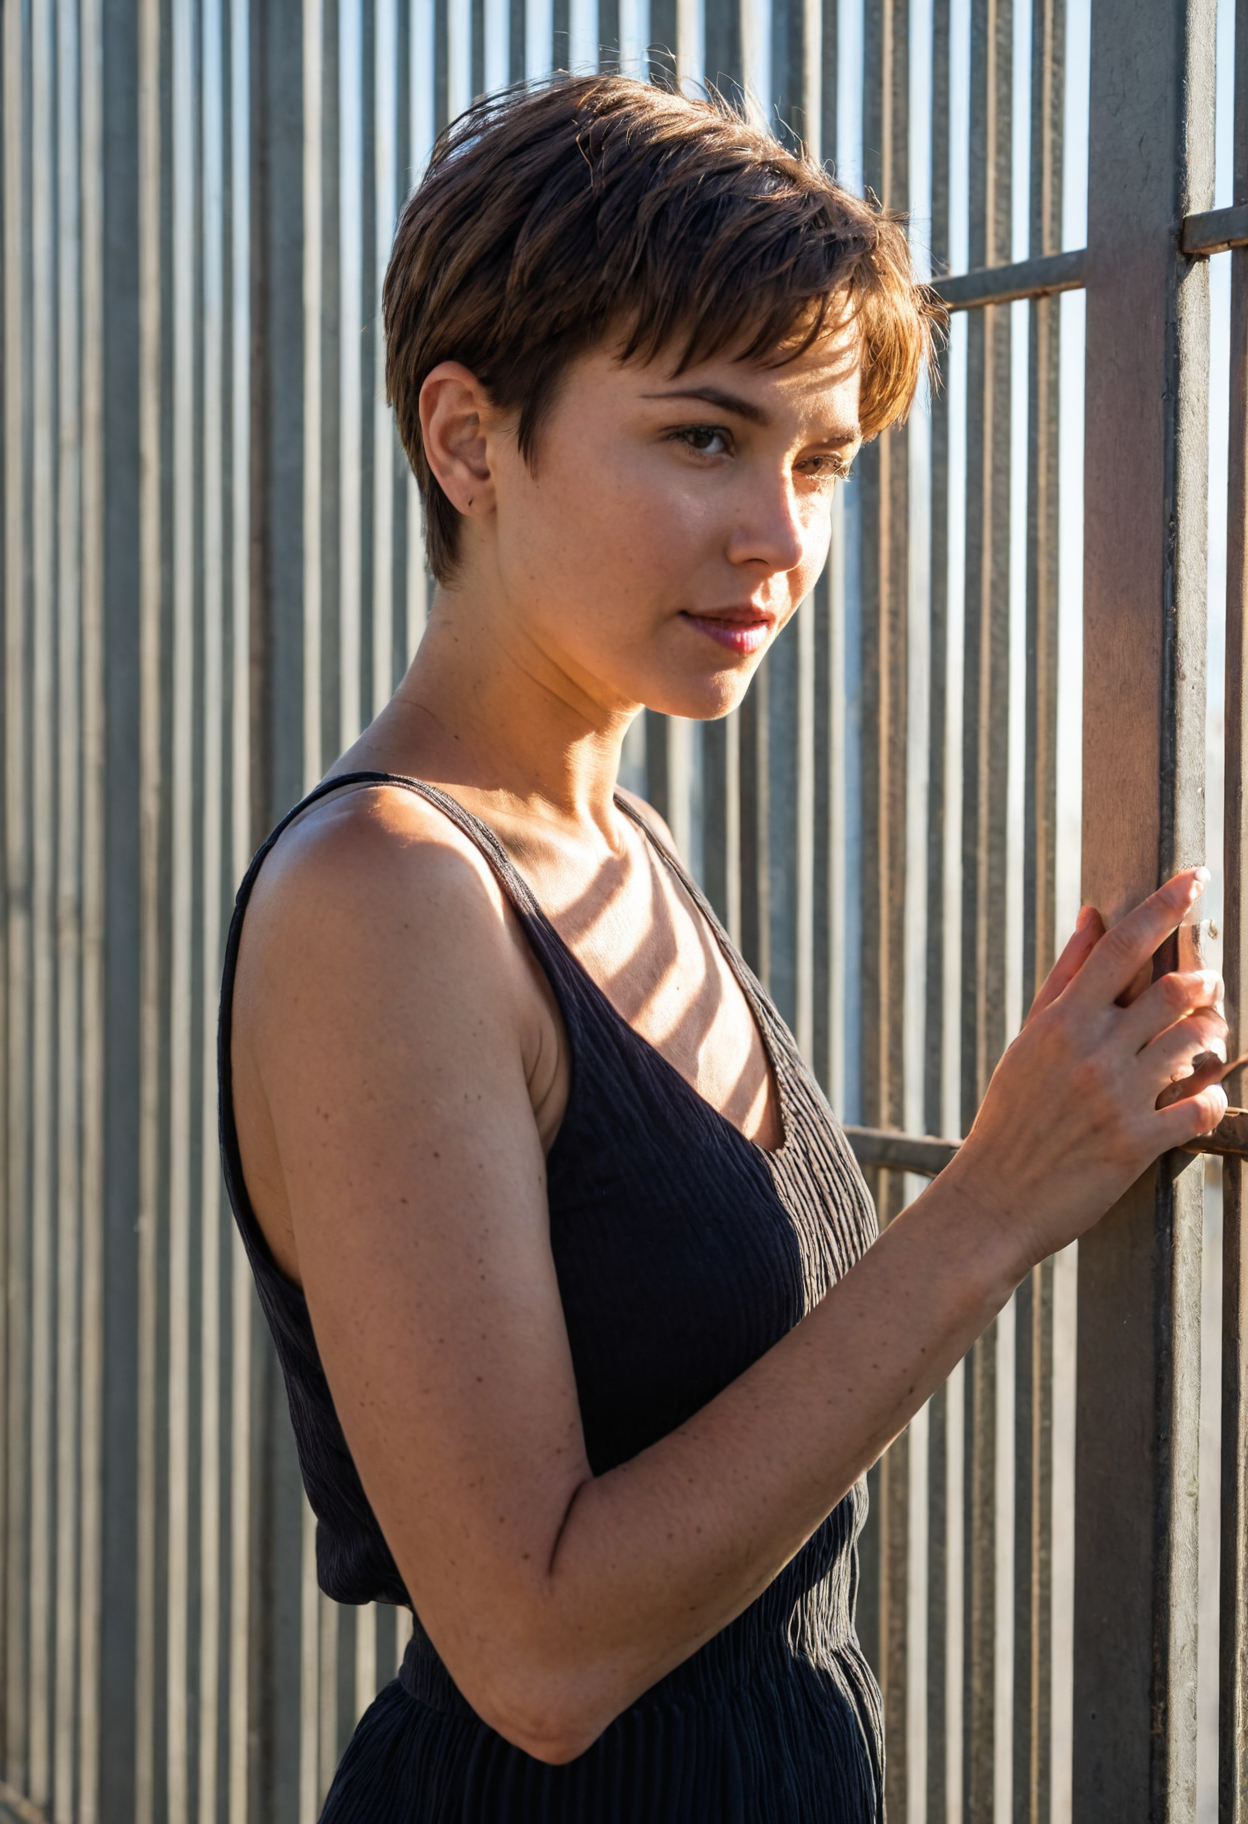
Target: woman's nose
769 531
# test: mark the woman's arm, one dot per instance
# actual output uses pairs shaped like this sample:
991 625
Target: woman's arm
397 1032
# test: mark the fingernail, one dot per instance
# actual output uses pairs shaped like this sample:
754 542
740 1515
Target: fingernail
1085 914
1202 877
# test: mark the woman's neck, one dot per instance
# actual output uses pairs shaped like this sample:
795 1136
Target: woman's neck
500 718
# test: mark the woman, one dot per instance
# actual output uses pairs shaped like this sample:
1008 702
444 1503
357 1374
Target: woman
588 1336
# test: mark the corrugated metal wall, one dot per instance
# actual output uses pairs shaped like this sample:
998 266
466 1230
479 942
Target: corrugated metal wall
212 578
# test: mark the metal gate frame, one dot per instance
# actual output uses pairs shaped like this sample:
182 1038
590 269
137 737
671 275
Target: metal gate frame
1150 232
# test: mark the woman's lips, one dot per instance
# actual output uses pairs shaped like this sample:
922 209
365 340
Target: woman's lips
737 635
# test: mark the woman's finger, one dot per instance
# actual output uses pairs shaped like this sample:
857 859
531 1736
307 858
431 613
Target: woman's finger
1172 1057
1128 947
1183 1121
1089 930
1206 1074
1168 1000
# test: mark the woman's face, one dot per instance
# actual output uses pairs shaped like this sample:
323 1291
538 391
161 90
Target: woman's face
668 525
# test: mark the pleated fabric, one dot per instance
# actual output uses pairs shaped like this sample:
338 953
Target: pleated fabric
683 1251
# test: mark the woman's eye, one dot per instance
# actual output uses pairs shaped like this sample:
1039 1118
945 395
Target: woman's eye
826 468
706 439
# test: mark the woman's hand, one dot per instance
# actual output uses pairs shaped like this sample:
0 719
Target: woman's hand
1110 1071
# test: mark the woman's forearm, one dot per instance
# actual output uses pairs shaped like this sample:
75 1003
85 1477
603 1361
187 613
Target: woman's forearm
658 1555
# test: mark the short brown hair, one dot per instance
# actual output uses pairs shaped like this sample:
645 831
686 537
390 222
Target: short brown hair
553 216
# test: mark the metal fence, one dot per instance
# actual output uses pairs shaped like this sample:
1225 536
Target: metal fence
213 577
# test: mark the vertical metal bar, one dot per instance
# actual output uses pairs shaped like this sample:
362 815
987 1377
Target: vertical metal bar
91 1357
326 1726
18 933
658 764
151 793
1048 73
825 686
69 883
43 911
985 763
804 859
1033 1605
885 486
984 825
350 450
783 830
954 1669
212 895
181 686
885 578
754 826
309 1676
939 1620
313 282
1138 1361
422 118
1233 1603
241 1295
787 92
841 821
722 44
385 453
721 820
1033 1650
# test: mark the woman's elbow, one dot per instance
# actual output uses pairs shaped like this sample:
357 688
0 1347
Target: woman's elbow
548 1718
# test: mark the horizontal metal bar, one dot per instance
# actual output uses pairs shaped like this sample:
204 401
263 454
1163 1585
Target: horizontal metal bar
901 1152
18 1809
1214 231
1025 279
928 1156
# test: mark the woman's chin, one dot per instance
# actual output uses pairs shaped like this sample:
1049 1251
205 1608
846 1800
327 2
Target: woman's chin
703 698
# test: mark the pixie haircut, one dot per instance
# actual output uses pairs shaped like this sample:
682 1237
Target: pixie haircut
553 218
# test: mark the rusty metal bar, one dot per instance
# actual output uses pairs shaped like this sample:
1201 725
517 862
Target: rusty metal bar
1039 277
1214 230
1138 1349
884 1147
927 1155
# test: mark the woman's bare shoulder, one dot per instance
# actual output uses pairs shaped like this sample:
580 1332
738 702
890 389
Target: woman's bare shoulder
376 921
373 845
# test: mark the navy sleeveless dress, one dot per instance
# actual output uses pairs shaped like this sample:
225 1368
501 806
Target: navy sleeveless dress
683 1252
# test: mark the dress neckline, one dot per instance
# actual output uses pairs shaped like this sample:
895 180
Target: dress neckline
526 902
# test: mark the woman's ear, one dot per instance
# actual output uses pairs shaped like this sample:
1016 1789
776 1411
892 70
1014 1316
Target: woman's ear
454 408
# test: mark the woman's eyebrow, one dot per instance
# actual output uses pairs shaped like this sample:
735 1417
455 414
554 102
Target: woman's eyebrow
724 402
745 408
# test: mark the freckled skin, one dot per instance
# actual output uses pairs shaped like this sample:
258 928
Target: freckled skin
386 1001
